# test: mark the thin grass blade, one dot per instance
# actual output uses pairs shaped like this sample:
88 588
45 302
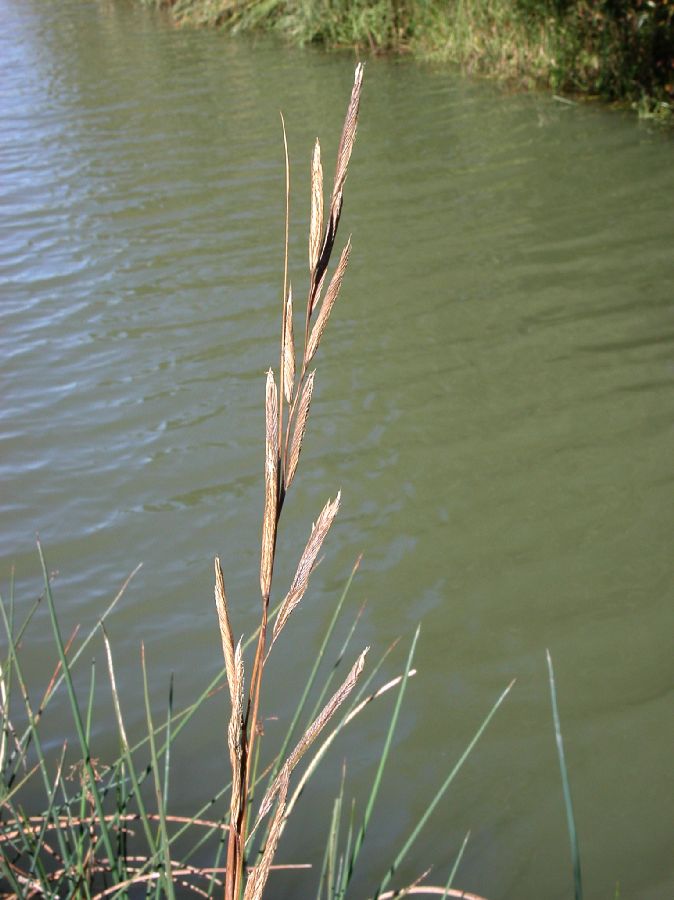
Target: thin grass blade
166 877
440 793
455 867
566 788
360 834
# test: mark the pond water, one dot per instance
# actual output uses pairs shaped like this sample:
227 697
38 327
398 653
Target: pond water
494 398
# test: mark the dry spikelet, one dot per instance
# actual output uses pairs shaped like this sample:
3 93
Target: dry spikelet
326 307
235 734
346 146
258 877
318 280
316 220
288 348
115 699
301 580
343 156
300 428
225 628
270 486
312 733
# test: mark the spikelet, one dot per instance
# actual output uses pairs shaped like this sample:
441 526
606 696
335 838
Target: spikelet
345 147
235 734
301 580
343 156
270 486
316 219
258 877
225 628
288 348
300 428
312 733
326 307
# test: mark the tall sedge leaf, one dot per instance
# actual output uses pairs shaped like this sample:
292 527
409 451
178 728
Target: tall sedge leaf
167 878
455 867
440 793
570 820
144 818
32 731
360 834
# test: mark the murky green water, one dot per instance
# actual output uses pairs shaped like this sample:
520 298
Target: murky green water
494 399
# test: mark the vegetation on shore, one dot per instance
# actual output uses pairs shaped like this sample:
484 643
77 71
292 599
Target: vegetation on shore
618 50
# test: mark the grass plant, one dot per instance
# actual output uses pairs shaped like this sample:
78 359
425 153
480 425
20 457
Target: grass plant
113 832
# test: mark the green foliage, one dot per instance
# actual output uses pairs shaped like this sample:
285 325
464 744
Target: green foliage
615 49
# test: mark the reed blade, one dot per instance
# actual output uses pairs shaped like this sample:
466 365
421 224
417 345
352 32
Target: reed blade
440 793
566 788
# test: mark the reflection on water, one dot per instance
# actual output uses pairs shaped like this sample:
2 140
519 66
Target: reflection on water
493 397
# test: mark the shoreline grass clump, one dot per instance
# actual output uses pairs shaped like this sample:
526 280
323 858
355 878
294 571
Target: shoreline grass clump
615 50
113 831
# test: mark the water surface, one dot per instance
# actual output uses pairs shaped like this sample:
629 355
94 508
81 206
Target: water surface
494 398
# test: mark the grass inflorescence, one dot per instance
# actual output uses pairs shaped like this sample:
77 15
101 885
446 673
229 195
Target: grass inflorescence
113 831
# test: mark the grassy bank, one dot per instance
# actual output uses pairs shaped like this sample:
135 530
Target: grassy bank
619 50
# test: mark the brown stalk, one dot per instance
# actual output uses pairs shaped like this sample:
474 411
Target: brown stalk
284 312
281 460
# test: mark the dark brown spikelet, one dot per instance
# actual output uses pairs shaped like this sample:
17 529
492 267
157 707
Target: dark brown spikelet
343 156
326 307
